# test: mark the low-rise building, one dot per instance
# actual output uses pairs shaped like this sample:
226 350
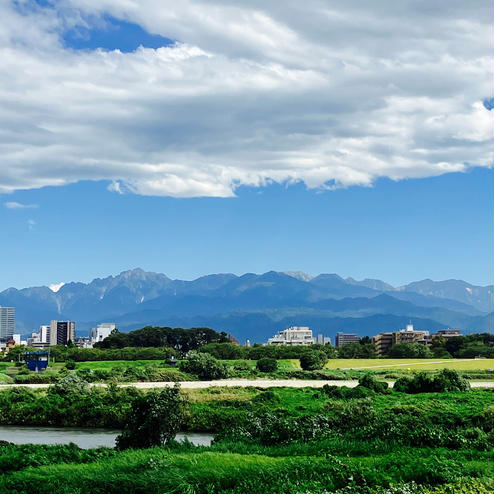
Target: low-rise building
102 331
83 342
344 338
383 343
447 333
295 335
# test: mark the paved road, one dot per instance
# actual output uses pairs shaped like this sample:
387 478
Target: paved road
258 383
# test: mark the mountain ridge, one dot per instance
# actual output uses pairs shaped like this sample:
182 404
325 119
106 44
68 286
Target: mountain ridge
133 295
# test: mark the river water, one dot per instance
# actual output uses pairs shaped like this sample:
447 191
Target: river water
84 437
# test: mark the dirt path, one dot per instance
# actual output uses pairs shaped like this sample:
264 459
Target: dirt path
258 383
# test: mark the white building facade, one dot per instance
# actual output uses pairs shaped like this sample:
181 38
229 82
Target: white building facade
102 331
295 335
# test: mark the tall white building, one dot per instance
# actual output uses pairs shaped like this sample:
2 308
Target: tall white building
44 333
102 331
7 323
295 335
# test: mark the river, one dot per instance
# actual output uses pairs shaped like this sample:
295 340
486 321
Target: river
84 437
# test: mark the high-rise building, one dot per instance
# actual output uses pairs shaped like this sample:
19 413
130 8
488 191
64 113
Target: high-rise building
102 331
7 323
343 339
61 332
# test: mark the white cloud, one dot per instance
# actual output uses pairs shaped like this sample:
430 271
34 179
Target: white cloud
30 224
329 93
18 205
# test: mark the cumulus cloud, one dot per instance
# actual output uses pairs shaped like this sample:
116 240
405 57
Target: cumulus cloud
327 93
18 205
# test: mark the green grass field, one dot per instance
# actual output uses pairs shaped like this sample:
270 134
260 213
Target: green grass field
410 364
109 364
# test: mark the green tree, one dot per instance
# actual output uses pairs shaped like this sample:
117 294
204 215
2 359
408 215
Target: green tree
224 351
313 360
357 350
155 419
409 350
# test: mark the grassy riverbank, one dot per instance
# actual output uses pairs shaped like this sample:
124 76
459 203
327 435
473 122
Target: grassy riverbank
295 441
161 470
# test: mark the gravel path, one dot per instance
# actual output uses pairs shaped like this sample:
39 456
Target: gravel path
258 383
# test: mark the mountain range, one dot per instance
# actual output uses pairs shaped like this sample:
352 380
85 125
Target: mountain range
255 306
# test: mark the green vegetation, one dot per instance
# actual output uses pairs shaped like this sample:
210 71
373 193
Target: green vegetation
154 420
446 380
335 369
181 340
410 350
313 361
374 441
204 366
267 364
409 364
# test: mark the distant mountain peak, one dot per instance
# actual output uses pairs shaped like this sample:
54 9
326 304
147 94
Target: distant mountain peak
371 283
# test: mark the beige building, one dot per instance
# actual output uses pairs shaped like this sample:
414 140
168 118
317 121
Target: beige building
61 332
384 341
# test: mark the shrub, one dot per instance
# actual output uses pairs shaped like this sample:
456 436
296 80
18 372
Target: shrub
155 419
69 384
204 366
352 414
242 365
268 396
402 385
369 382
450 380
313 360
446 380
267 364
346 392
70 364
34 378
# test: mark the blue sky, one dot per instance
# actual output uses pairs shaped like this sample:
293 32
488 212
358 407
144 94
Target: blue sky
202 138
398 231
